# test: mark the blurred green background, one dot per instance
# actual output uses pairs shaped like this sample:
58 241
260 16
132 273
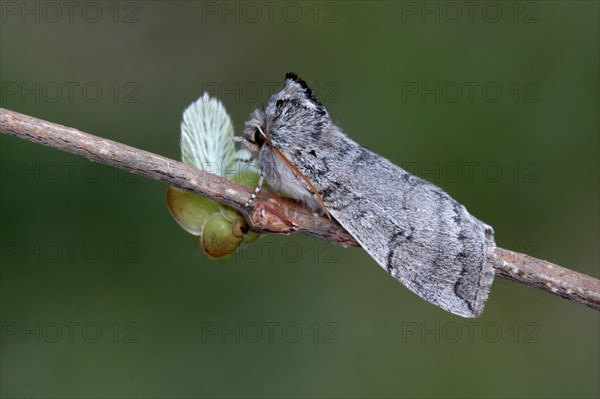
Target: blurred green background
103 295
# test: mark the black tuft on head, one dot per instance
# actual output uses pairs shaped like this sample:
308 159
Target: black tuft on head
300 81
309 94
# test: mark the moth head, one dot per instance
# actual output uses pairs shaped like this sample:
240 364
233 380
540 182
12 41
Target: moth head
296 112
292 114
254 130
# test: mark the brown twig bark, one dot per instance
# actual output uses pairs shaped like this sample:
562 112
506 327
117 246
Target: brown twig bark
272 213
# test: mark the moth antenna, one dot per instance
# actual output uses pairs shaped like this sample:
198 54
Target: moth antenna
296 170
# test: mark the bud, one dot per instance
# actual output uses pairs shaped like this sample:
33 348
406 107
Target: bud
191 211
218 237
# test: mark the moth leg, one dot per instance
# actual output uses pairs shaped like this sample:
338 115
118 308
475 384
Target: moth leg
245 160
261 179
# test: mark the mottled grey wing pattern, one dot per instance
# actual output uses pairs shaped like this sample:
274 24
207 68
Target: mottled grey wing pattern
414 230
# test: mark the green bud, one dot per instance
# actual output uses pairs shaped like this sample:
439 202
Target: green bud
218 238
228 213
239 226
191 211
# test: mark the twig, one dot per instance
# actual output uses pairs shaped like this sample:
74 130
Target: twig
547 276
272 213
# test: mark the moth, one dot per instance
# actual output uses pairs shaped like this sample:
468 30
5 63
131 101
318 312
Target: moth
411 228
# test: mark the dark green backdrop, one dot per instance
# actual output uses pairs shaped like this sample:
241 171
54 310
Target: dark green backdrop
103 295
